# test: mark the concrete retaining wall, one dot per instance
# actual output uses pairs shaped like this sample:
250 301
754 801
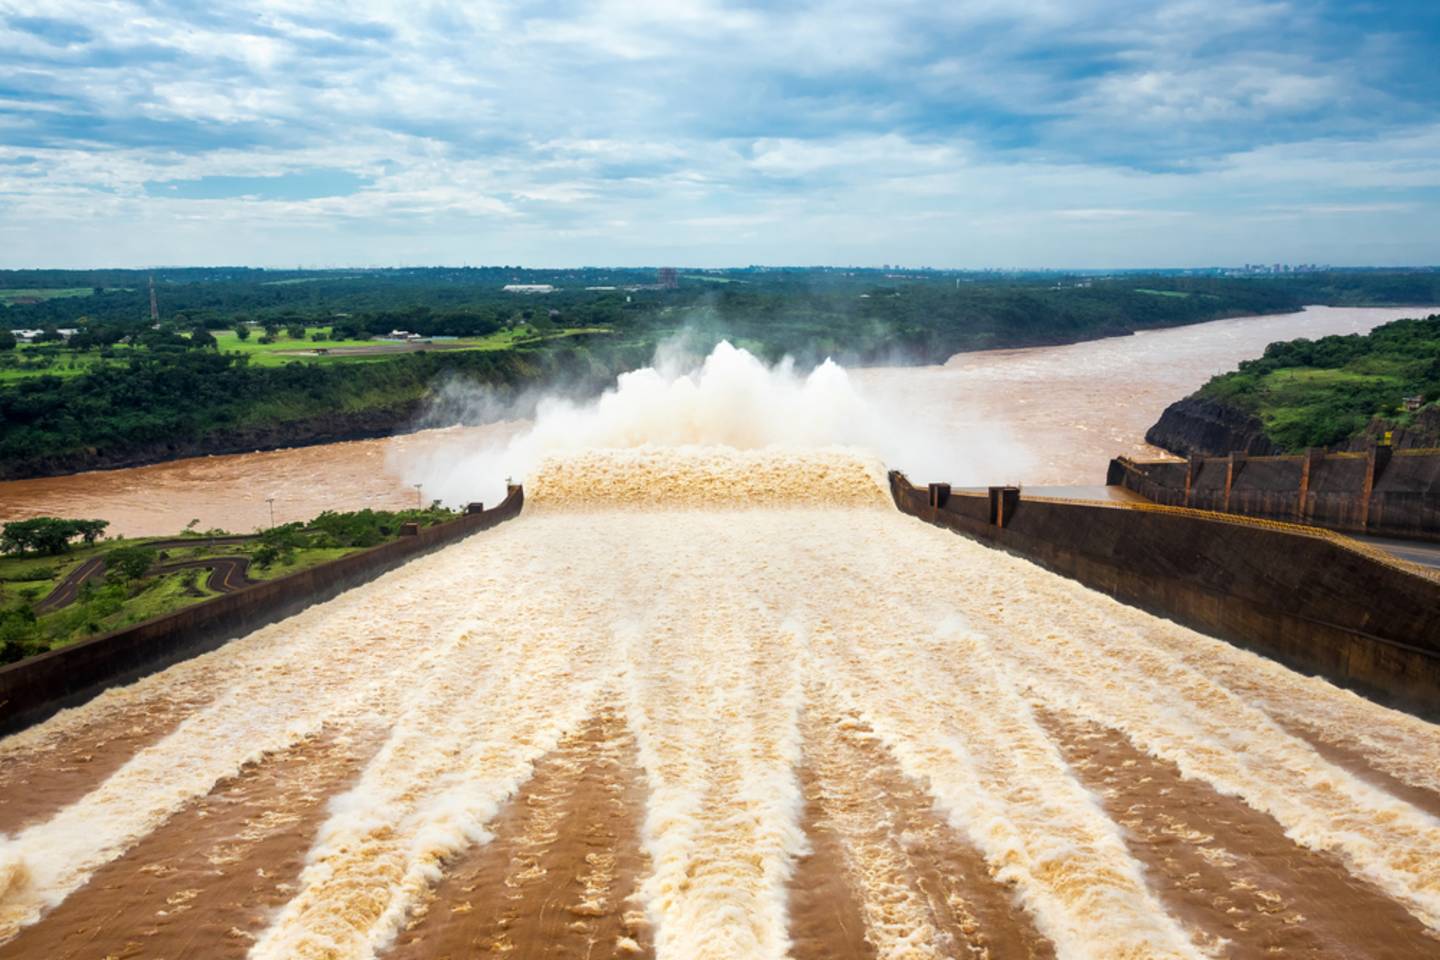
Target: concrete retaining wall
35 688
1381 492
1311 599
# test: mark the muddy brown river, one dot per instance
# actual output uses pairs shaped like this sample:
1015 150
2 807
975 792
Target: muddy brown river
1044 416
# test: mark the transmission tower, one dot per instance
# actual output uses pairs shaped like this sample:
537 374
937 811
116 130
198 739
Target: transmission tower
154 307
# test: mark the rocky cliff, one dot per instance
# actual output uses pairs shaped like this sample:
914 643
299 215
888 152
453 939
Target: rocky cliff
1201 426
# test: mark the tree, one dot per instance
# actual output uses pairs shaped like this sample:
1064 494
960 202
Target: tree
90 530
202 340
129 563
295 331
7 340
242 331
44 535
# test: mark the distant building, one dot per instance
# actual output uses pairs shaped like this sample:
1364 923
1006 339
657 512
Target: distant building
529 288
1414 403
669 278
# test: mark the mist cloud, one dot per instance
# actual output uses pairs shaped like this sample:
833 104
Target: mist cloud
731 399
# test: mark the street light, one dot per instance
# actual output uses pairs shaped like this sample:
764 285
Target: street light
271 501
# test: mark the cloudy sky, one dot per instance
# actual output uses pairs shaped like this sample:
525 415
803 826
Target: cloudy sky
960 133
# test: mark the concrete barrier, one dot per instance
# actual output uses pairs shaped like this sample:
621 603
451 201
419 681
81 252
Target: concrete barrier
37 687
1381 491
1314 600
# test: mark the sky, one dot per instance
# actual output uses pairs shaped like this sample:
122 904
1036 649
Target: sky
952 134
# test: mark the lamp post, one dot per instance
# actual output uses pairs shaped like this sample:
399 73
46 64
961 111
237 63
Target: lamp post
271 501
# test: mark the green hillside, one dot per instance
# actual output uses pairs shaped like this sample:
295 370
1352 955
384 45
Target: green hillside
1322 392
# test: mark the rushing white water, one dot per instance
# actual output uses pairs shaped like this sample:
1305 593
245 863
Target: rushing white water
731 400
751 607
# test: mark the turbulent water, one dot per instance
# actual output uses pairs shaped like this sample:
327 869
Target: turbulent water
701 702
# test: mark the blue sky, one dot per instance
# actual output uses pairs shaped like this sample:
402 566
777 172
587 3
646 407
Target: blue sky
970 133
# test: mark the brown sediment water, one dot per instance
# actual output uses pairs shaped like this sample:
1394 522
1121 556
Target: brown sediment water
1229 870
205 882
810 689
559 876
39 780
230 491
1073 407
1354 759
827 920
924 890
1070 407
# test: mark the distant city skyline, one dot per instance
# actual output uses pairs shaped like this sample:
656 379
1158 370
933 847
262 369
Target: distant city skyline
1099 134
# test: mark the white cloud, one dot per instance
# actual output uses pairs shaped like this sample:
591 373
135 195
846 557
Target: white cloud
1045 131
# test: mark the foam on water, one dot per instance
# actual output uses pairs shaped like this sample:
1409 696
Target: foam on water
319 667
723 595
663 478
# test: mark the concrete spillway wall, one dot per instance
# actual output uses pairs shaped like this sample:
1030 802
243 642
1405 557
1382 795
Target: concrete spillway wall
1380 491
1314 600
37 687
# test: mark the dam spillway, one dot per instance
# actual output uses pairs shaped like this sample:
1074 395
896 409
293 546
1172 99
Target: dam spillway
708 703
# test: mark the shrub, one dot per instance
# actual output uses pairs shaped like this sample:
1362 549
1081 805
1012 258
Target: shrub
129 563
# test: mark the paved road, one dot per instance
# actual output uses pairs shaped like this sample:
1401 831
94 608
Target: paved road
227 574
68 589
1416 551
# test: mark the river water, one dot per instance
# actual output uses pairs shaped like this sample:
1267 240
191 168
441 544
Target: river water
700 702
1043 416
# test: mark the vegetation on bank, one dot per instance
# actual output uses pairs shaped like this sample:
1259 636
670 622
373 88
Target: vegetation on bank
141 579
1323 392
235 361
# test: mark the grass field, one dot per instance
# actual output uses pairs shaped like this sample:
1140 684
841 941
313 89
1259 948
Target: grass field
27 362
10 296
24 363
1303 406
302 559
285 350
1163 293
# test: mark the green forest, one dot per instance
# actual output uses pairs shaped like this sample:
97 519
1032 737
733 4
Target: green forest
1322 392
243 358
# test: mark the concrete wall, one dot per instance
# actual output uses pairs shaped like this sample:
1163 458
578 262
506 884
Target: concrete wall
1314 600
37 687
1380 492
